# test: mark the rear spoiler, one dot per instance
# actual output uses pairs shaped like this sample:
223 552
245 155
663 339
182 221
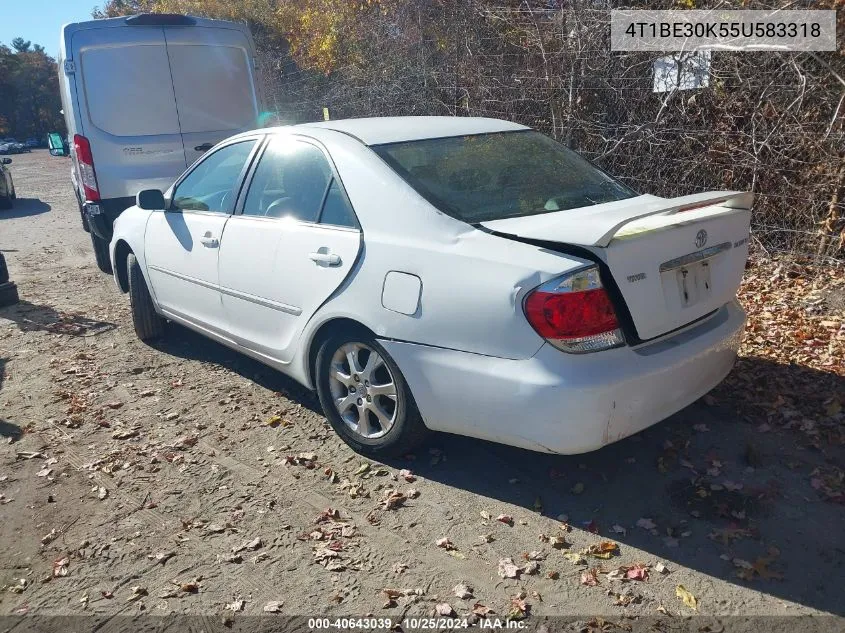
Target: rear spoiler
601 233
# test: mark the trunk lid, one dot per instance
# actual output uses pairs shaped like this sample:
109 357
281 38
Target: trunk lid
674 260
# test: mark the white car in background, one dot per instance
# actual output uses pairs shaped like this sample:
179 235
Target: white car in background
452 274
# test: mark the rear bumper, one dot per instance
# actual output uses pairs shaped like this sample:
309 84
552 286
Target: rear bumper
565 403
102 214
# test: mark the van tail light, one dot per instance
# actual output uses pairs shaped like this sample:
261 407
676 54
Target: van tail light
85 162
574 313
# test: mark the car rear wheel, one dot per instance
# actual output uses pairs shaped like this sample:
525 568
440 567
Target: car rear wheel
148 324
365 397
101 253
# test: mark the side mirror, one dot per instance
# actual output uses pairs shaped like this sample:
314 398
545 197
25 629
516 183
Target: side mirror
56 144
7 161
150 200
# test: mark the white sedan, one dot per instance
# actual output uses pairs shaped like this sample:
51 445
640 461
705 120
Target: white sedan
464 275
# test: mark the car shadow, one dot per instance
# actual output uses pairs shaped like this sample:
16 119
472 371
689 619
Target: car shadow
716 485
184 343
30 317
25 207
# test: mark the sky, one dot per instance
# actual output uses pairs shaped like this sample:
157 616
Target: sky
41 20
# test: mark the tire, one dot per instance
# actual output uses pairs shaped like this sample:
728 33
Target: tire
4 270
148 324
405 429
85 226
8 294
101 254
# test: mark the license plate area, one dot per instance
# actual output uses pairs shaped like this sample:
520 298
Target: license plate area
694 285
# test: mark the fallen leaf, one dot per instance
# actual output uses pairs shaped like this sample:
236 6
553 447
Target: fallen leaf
558 542
617 574
444 609
637 572
393 499
407 475
445 543
618 529
481 610
252 545
508 569
603 549
506 519
519 609
275 606
137 593
687 597
575 557
646 524
590 577
236 605
60 567
660 568
462 591
578 488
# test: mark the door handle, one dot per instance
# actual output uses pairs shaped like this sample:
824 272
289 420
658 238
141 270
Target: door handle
324 256
209 240
203 148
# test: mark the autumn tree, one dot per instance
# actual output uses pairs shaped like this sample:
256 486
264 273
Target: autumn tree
29 91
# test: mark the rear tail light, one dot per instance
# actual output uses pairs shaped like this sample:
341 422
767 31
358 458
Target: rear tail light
574 313
85 162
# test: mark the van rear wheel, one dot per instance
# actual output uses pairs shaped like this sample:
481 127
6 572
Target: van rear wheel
101 253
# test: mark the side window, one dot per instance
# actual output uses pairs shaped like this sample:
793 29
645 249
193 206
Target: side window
290 181
211 185
336 209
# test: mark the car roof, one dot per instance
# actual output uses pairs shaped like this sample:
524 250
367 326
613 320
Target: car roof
378 130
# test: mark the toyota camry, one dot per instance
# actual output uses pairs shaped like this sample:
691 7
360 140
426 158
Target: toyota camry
464 275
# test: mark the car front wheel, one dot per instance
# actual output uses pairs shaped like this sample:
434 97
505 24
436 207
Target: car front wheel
365 397
148 324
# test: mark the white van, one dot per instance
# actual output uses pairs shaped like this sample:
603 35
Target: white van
143 97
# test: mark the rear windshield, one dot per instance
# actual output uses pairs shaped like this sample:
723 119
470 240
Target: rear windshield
213 88
128 90
485 177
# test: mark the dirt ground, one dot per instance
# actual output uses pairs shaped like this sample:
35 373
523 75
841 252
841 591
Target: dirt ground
185 478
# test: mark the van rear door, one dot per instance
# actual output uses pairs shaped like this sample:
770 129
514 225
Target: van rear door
213 72
128 108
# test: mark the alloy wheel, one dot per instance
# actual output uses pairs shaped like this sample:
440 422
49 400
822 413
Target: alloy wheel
363 390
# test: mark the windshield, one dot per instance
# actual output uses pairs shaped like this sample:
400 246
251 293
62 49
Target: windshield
485 177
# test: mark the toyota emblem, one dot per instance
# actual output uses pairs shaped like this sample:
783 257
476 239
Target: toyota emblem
701 238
